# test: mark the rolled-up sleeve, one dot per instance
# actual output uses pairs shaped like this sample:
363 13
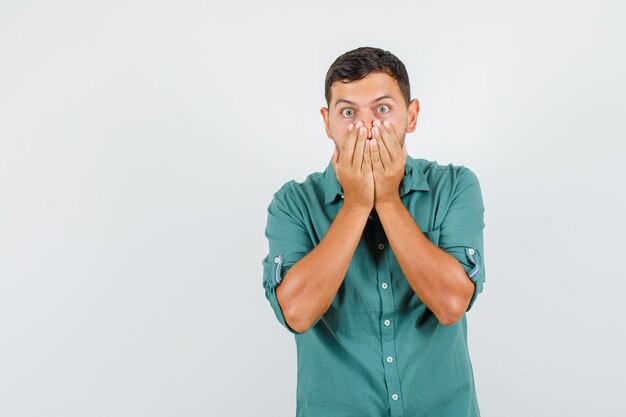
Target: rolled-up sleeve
461 233
289 241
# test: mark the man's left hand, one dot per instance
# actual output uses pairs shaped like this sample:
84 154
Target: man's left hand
388 162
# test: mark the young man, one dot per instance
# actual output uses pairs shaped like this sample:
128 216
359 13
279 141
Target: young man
373 263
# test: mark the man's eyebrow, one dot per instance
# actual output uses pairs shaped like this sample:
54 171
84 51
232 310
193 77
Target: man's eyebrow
384 98
343 100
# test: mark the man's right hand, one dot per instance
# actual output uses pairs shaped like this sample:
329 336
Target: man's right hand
309 287
353 168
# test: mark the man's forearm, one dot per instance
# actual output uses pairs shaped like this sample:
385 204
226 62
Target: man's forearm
308 289
437 278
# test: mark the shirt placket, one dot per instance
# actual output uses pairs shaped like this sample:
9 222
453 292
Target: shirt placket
387 324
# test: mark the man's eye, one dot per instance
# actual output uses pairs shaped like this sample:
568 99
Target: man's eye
383 109
348 112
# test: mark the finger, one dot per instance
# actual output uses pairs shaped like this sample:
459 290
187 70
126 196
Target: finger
346 150
367 158
382 148
391 140
350 142
360 147
391 129
377 165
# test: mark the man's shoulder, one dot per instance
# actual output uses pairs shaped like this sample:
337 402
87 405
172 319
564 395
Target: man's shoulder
443 175
312 185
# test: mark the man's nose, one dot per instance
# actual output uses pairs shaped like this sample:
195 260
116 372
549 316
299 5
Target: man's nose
368 122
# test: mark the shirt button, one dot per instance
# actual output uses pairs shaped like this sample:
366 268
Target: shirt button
387 322
384 285
342 196
277 259
381 246
394 397
471 251
389 359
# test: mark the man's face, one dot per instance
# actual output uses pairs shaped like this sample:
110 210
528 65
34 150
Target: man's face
375 97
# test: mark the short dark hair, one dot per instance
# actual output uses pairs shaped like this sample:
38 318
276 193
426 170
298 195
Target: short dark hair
357 64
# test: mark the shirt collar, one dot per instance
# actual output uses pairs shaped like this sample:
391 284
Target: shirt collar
414 179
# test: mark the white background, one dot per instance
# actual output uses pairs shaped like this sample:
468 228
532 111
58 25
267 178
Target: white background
141 142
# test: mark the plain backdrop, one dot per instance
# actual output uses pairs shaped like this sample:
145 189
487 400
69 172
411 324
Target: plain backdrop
141 143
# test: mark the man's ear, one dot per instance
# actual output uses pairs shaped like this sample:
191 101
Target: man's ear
324 112
414 108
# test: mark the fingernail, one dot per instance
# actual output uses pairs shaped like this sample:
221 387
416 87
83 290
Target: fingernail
359 124
375 130
386 123
376 123
362 130
350 127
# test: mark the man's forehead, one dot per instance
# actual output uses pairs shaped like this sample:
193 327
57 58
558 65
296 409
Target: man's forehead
374 87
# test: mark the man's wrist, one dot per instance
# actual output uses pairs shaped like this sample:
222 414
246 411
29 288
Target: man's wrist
356 209
391 204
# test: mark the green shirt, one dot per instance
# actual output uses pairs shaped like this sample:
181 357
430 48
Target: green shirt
378 350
